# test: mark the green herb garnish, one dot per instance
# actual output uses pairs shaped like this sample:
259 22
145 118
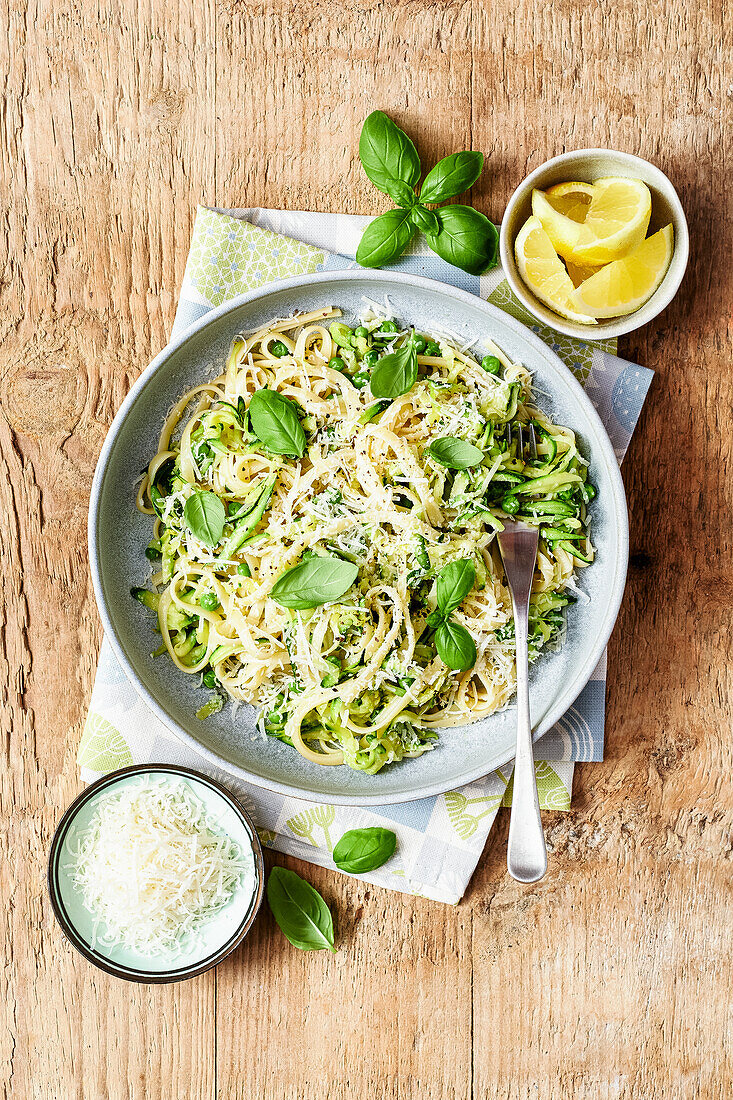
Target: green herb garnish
274 420
300 911
455 646
205 515
313 582
396 372
385 238
458 234
454 453
362 850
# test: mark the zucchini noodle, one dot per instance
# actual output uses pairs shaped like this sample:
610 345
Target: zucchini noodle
358 680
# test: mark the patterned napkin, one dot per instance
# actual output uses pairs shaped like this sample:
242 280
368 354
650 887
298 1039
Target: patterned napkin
440 839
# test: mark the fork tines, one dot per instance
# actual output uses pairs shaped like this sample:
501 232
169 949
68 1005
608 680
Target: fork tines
530 441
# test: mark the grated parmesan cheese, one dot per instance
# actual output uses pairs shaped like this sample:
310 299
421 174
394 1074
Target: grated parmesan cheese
153 867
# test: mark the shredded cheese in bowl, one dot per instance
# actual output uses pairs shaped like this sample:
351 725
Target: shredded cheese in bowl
153 867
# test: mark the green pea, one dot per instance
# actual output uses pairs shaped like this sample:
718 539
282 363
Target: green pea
361 331
210 678
491 364
370 359
420 344
244 570
431 348
590 490
209 601
360 379
337 364
388 326
279 349
510 505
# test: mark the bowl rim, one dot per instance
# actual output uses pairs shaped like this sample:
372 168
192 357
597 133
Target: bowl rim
662 296
616 587
68 928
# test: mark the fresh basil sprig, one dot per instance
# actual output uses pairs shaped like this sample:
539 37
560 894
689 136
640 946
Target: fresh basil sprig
466 238
456 454
274 420
453 642
205 515
451 176
300 911
454 583
386 238
313 582
388 156
424 219
459 234
395 373
362 850
455 646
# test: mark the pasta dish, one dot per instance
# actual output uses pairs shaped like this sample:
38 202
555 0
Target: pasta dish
324 515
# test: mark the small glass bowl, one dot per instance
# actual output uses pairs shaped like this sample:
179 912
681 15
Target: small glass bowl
218 937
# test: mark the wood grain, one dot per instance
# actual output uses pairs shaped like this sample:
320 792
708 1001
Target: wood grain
612 977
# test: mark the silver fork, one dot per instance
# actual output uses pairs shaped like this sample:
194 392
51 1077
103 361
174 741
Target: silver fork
526 851
531 439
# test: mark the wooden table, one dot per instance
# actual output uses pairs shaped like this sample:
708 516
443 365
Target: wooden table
611 978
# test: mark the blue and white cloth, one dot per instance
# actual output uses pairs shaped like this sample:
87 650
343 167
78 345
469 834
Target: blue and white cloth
440 839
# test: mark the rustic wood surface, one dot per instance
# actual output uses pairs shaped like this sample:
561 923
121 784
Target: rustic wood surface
610 979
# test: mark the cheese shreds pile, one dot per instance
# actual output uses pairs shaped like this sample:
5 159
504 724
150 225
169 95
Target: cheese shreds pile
152 867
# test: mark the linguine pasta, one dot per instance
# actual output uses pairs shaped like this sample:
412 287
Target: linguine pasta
357 680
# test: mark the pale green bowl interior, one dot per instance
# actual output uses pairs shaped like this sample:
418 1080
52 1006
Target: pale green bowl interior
214 934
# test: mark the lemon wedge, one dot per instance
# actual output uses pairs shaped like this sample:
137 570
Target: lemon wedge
616 222
622 286
543 272
580 272
570 199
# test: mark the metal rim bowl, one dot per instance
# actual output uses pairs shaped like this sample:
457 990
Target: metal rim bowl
61 910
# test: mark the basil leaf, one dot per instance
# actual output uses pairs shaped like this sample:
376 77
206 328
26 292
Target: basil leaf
396 372
454 453
455 646
425 219
401 193
205 515
454 583
467 239
362 850
385 239
274 420
451 176
386 153
300 911
314 582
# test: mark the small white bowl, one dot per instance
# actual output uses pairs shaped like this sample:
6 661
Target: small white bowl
217 938
585 166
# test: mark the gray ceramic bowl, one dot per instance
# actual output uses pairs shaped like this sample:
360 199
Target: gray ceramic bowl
118 535
585 166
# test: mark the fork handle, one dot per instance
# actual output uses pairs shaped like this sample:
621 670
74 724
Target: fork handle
526 851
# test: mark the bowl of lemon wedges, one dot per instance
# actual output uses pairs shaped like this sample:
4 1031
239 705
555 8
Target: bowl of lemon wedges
594 243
